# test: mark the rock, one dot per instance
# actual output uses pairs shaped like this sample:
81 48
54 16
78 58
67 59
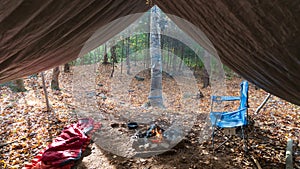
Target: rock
199 95
141 147
138 78
91 93
142 160
102 96
146 145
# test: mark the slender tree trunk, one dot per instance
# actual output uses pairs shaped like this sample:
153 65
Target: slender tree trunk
98 53
136 49
181 56
122 56
54 81
127 55
175 56
148 46
67 68
114 58
105 57
19 85
90 58
45 92
162 49
155 96
145 43
169 48
205 77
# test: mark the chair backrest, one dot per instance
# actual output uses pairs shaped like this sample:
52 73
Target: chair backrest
244 95
228 119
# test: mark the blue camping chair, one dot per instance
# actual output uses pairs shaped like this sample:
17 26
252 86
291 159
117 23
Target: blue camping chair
230 119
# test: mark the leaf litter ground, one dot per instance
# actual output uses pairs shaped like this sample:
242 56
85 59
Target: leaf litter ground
28 127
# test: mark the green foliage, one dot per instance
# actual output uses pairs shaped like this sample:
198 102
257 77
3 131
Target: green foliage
138 43
13 86
228 72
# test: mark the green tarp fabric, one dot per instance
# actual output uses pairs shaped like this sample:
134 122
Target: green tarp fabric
257 39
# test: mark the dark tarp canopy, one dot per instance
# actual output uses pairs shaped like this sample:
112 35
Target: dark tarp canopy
257 39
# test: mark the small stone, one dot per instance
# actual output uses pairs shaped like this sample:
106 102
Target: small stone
102 96
138 78
143 160
147 145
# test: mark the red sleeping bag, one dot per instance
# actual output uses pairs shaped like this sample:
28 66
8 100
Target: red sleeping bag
66 148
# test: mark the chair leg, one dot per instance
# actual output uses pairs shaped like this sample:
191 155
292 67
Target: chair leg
244 140
221 144
212 140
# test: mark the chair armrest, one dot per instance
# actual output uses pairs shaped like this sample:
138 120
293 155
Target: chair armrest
225 98
232 112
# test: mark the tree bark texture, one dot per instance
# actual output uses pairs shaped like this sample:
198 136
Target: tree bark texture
54 81
19 85
67 68
155 96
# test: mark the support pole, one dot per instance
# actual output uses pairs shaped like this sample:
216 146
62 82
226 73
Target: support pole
263 103
289 154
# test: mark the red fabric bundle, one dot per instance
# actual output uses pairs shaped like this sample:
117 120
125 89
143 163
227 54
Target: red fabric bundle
66 148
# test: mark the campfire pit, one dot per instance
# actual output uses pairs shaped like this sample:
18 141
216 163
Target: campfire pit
153 131
143 134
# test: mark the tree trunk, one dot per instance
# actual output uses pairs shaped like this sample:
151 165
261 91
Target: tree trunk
144 54
155 96
98 53
162 49
105 57
136 50
175 56
181 56
148 47
114 59
54 81
169 48
122 55
206 69
19 85
45 92
127 55
67 68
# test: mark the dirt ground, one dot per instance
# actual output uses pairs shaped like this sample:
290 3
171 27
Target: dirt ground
266 134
